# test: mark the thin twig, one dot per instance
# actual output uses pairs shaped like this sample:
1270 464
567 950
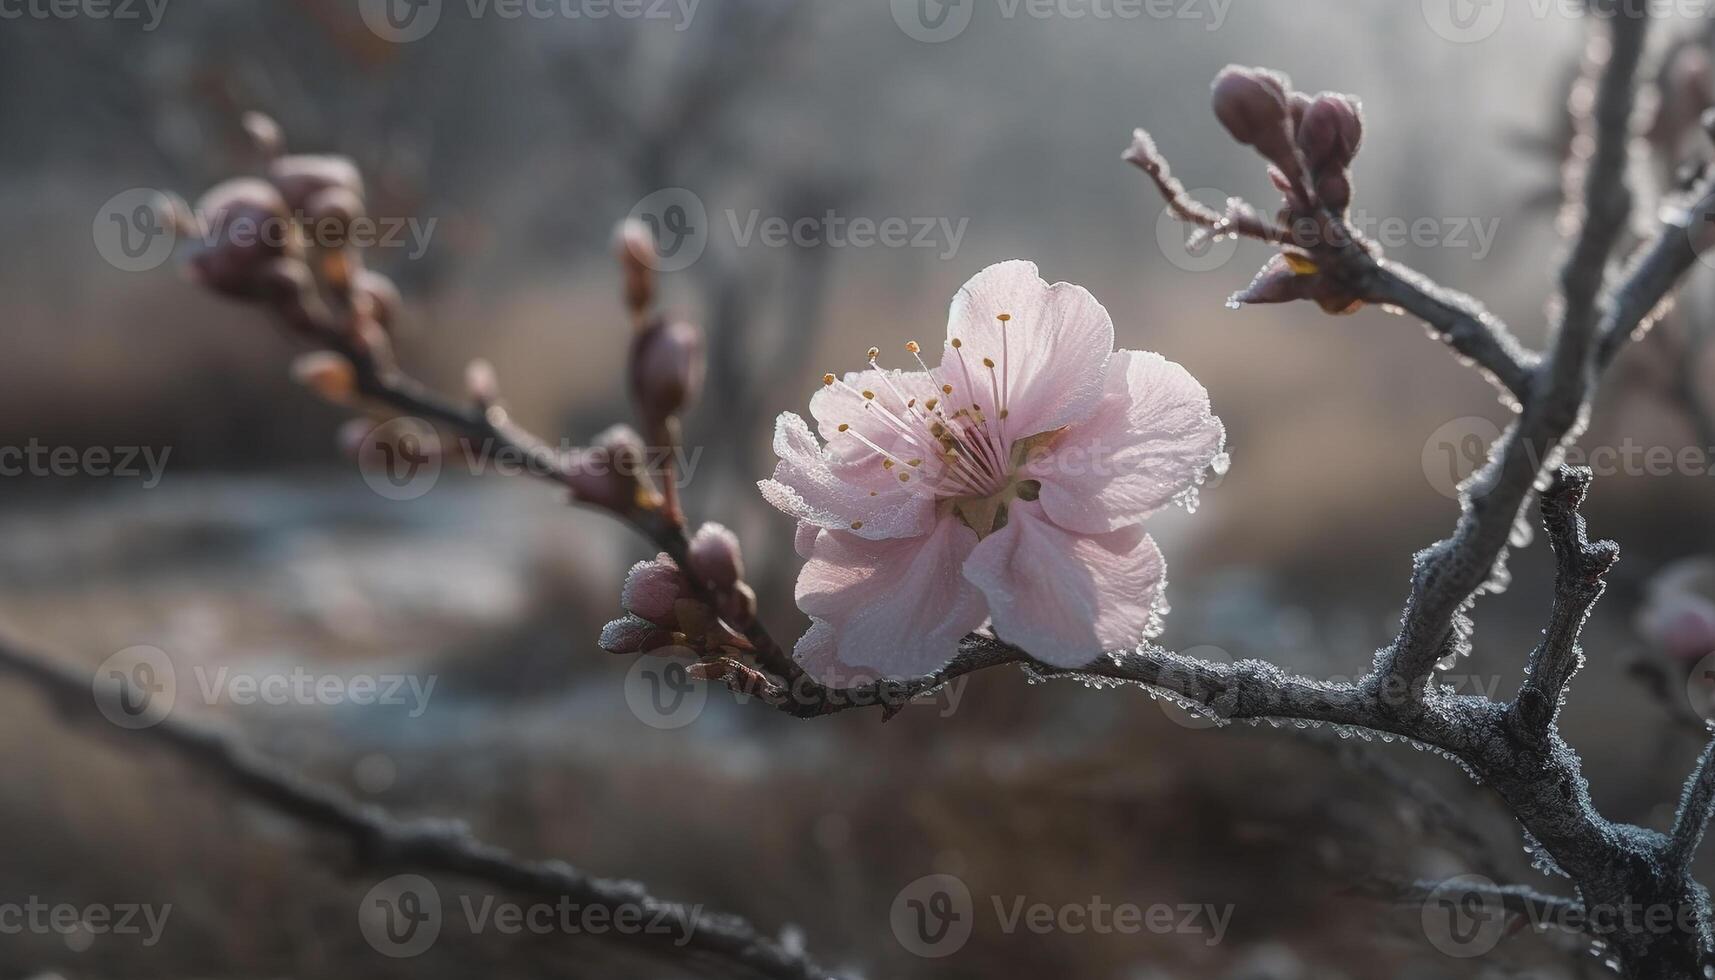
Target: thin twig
382 842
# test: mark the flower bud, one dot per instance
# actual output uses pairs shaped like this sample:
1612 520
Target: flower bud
381 298
245 229
1252 104
653 589
609 474
328 374
330 213
480 382
301 177
634 247
1330 132
632 634
264 133
1678 615
715 557
1334 190
666 372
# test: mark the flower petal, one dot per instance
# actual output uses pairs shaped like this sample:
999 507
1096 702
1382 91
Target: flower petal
1151 439
1065 597
898 606
818 653
812 485
1050 362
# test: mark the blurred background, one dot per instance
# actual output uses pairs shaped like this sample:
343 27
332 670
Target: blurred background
501 144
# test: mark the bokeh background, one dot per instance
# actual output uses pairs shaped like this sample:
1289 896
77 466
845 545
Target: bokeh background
518 142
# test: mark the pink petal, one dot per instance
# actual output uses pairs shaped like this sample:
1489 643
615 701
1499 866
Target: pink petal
898 606
1151 439
804 538
1065 597
1056 342
818 653
812 485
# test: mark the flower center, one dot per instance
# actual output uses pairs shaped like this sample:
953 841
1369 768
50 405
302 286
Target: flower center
945 445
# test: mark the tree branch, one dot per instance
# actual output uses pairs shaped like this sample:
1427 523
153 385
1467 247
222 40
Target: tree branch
1578 583
381 841
1695 806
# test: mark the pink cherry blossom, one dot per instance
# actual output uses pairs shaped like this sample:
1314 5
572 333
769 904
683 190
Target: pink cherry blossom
1678 614
1004 487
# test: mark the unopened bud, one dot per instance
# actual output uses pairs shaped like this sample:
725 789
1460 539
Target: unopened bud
264 133
1334 190
634 247
480 382
1252 104
666 372
609 474
245 229
380 298
715 557
328 374
653 590
330 213
633 634
302 177
1332 127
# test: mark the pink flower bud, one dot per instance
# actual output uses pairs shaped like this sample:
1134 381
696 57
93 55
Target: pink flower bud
715 556
653 589
666 372
610 473
302 177
634 247
1330 132
631 634
264 133
329 214
328 374
245 229
381 298
1252 103
1678 616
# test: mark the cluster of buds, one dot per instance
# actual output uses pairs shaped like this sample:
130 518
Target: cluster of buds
1309 143
283 240
687 609
666 360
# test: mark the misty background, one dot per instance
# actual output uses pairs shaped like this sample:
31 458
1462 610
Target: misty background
509 147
